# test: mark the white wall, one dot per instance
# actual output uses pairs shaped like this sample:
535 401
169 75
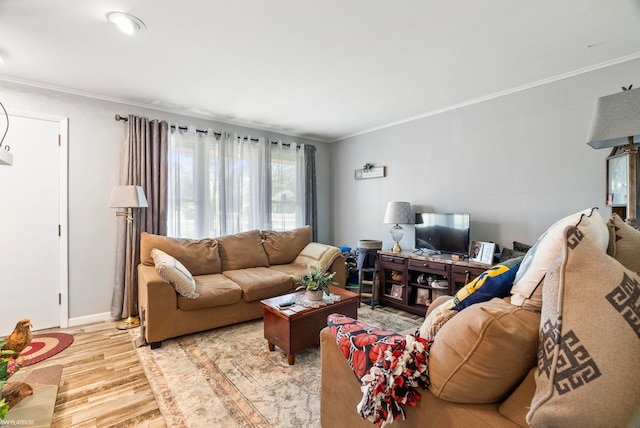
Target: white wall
95 140
516 163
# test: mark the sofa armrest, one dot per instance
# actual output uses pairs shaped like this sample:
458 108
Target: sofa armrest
339 266
160 303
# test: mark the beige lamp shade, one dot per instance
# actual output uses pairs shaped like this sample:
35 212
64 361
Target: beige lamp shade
127 197
616 118
398 213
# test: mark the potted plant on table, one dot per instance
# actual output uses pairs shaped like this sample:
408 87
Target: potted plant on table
315 282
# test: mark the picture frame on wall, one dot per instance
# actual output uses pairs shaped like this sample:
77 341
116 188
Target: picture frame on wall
482 252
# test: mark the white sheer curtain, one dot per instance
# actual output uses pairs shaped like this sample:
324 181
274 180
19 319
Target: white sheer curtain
222 185
245 180
288 186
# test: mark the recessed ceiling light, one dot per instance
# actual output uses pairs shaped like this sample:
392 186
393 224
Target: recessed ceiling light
128 24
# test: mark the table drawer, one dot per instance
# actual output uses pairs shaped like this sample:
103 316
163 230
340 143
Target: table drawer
392 262
427 266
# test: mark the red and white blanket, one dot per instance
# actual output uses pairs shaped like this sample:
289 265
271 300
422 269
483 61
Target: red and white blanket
389 366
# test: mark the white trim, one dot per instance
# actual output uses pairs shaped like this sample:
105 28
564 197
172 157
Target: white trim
64 221
222 120
521 88
89 319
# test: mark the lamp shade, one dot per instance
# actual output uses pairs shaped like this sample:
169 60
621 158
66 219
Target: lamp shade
398 213
127 197
616 118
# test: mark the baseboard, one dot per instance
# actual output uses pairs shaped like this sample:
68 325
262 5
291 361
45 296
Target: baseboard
105 316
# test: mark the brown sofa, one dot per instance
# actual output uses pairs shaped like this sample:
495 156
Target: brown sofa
341 390
232 274
565 355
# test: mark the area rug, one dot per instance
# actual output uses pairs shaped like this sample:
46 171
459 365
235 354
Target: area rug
226 377
45 345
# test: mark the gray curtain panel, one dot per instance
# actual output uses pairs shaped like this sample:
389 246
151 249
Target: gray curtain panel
311 204
143 163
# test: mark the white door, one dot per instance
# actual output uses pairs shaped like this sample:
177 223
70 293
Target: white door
29 220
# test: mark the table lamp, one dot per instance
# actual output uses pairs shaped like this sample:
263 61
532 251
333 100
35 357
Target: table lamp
397 213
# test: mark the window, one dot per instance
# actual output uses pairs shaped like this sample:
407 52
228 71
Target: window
229 184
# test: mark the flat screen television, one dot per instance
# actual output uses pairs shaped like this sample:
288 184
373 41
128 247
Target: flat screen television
443 233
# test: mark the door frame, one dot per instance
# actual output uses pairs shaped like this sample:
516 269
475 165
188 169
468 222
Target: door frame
63 185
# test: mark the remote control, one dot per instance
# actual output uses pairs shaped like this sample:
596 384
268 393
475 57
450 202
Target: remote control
286 304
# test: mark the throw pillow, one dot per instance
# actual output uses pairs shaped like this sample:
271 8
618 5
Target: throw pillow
519 246
624 243
436 319
174 272
283 247
508 254
588 372
199 256
539 257
242 250
493 282
481 354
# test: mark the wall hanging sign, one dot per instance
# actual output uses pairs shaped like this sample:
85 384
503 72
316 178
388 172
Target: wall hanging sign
370 171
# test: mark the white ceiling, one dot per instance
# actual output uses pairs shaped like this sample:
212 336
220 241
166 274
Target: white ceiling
318 69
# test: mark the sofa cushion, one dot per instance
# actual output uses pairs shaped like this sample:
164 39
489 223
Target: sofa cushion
624 243
242 250
494 282
172 271
290 269
588 372
215 290
199 256
535 264
481 354
260 282
314 253
284 247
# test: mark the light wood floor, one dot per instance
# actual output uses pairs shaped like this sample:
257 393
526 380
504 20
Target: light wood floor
103 384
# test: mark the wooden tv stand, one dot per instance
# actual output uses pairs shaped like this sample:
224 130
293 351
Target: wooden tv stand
399 273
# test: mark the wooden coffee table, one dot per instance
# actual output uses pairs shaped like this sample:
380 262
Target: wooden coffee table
293 331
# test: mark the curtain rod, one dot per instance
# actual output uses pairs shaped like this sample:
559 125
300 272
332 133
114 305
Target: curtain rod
216 134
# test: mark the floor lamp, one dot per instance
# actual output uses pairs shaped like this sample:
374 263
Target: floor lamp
616 122
128 197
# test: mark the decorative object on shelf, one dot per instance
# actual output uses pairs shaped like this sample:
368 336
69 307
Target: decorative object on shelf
482 252
128 197
369 170
616 123
439 284
315 282
422 279
422 296
398 213
6 158
396 291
